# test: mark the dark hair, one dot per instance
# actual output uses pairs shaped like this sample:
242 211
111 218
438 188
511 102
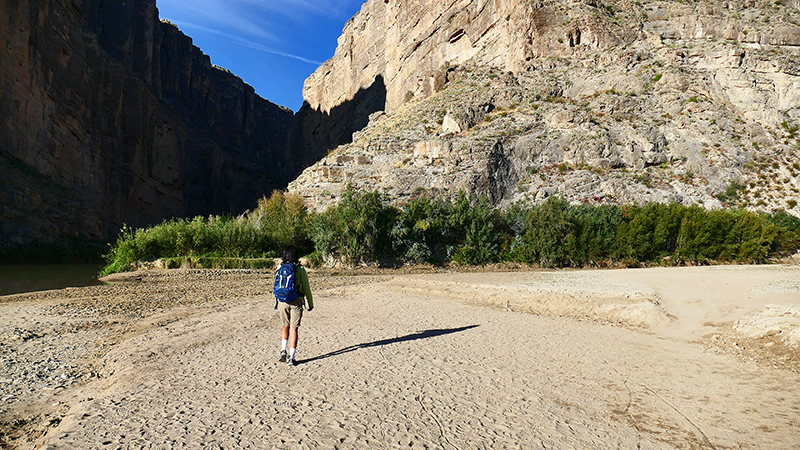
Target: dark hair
290 253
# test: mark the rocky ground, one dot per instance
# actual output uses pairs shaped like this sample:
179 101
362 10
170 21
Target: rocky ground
54 342
704 357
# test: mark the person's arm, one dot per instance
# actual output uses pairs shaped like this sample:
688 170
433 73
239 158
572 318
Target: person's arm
306 287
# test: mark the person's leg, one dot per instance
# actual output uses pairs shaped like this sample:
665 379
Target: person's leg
284 337
293 337
284 343
294 324
285 316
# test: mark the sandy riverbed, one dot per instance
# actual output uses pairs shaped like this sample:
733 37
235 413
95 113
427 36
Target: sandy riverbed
673 358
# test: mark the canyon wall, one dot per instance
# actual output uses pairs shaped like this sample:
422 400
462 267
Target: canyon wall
109 116
598 101
410 44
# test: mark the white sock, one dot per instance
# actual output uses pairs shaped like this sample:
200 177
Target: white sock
291 353
284 344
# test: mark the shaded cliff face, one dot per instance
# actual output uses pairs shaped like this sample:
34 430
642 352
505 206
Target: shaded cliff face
109 116
599 101
317 131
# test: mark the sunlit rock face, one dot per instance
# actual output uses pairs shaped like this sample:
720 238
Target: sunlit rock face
110 116
598 101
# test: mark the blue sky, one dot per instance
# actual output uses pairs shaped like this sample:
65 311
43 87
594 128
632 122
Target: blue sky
273 45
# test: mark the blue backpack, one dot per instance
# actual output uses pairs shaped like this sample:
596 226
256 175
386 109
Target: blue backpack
286 283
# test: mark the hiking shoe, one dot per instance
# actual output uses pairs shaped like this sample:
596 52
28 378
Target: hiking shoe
283 356
292 362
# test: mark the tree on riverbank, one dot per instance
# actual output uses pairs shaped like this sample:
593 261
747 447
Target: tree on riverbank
364 228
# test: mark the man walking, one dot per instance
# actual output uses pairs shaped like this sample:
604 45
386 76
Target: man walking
291 291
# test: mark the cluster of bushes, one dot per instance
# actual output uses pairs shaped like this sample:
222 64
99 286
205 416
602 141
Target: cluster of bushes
262 234
558 234
363 228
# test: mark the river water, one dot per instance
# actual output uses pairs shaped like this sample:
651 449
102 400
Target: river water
29 278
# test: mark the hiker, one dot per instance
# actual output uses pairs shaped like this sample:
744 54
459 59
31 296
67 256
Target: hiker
291 292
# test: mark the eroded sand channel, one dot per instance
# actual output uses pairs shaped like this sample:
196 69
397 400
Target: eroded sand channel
566 360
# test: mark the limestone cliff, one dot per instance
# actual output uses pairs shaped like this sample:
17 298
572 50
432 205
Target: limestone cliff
110 116
596 100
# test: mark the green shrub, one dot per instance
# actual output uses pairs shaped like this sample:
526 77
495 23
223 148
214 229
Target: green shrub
476 230
284 220
594 231
788 240
559 235
214 237
785 220
315 259
727 235
420 231
731 192
357 229
547 229
648 233
751 238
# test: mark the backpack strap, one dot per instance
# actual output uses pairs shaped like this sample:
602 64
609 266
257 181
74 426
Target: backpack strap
298 287
276 273
276 298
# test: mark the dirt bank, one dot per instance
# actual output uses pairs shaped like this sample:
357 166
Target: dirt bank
660 358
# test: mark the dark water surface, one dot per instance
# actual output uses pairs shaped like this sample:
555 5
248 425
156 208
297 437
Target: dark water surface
18 279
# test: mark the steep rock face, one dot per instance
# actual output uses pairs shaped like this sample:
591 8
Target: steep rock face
110 116
393 51
598 101
411 43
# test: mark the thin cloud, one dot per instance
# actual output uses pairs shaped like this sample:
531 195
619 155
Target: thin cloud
290 7
254 17
296 7
220 13
301 10
245 43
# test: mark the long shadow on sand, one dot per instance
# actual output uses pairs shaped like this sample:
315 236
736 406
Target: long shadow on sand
409 337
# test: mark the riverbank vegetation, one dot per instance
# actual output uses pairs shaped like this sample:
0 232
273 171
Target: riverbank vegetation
364 228
216 241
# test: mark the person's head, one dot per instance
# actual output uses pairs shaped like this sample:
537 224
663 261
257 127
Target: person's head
290 254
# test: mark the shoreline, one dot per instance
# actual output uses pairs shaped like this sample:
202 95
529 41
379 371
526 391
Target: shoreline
69 345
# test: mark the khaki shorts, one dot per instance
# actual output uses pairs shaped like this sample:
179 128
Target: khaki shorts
291 313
